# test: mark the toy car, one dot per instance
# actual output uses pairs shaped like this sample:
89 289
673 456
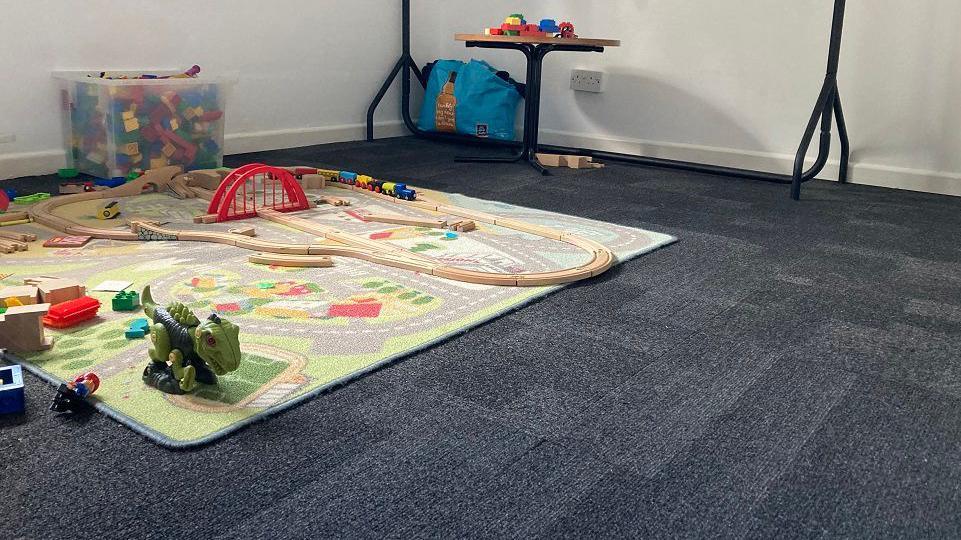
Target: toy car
109 210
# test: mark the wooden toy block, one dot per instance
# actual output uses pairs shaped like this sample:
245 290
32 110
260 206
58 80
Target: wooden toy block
245 231
56 290
128 115
402 220
24 294
297 261
21 329
313 181
206 218
131 149
569 161
131 124
159 162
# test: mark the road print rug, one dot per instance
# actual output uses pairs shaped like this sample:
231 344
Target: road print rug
302 330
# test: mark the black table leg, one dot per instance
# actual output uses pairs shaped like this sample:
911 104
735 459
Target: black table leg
523 153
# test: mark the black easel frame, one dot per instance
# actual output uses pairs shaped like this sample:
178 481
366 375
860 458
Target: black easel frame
826 110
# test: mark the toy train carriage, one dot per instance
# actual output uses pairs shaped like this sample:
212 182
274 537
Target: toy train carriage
346 177
393 189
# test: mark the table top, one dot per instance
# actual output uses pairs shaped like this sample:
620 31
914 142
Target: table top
585 42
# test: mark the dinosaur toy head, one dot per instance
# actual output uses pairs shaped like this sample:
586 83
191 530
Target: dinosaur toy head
217 341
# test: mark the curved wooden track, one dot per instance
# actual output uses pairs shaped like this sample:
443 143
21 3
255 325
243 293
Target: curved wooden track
346 244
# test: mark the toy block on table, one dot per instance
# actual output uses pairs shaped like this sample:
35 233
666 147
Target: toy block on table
72 313
11 389
67 241
24 295
125 301
21 329
313 181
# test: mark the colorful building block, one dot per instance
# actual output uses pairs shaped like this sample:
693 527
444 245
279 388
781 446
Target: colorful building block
71 313
11 389
126 301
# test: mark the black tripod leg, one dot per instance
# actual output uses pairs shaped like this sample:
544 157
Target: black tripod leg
380 96
845 143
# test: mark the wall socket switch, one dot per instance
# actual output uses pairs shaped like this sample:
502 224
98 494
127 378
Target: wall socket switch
583 80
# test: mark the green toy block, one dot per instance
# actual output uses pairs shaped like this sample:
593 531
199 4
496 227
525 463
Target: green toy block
126 301
68 172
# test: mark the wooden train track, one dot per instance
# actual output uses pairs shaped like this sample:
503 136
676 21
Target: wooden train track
339 243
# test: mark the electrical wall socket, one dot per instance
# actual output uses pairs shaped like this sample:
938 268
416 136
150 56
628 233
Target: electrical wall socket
583 80
7 137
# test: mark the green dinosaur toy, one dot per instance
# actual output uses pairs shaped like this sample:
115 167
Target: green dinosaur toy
197 351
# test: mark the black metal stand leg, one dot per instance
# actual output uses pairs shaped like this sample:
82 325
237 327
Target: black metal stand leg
401 64
524 151
845 143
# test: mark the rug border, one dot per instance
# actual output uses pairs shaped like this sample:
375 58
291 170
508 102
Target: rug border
167 442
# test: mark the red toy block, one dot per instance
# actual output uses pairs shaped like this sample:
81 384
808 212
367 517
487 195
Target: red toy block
496 31
72 312
4 201
300 171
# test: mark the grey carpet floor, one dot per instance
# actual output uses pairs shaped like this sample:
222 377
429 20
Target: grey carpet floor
785 370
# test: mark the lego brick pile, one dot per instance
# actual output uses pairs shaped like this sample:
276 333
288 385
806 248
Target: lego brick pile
118 129
516 25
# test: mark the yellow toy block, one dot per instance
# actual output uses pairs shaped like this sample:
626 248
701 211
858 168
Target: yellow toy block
168 150
131 149
189 113
131 125
174 124
128 115
157 163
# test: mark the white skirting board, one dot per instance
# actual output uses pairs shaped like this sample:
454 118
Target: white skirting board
945 183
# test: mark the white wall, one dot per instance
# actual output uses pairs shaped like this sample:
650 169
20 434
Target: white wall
725 82
308 68
734 82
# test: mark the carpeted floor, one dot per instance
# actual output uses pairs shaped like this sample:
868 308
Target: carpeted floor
785 370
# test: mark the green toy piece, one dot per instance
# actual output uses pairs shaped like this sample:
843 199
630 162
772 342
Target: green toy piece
197 351
126 301
30 199
68 172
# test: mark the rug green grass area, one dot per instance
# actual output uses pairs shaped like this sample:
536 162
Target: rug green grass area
303 330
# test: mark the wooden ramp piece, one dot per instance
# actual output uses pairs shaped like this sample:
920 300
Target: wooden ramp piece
21 329
571 162
402 220
295 261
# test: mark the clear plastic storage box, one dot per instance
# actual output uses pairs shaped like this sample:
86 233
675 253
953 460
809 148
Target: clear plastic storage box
114 126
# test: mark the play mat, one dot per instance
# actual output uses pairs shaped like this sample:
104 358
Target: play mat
303 330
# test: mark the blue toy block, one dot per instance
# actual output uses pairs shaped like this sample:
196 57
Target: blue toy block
111 182
451 236
11 193
132 333
549 25
139 328
11 389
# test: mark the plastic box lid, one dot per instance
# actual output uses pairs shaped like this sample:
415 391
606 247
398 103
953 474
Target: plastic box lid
93 77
